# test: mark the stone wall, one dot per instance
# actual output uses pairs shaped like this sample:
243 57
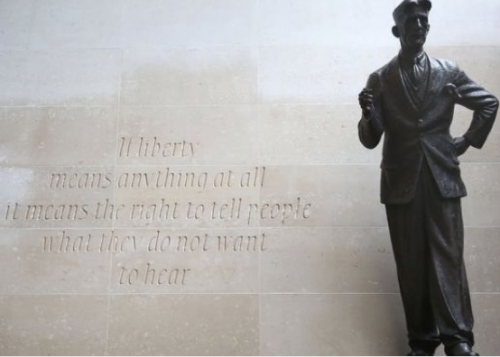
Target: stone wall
184 176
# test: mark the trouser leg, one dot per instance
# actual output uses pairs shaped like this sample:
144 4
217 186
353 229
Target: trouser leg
449 288
427 239
410 247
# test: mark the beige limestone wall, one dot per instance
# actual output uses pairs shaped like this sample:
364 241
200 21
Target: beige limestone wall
251 223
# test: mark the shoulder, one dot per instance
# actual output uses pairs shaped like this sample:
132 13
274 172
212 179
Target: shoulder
377 78
445 65
382 71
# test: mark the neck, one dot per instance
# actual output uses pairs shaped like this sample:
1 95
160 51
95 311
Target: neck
411 52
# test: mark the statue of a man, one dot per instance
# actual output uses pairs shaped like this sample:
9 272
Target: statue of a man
411 101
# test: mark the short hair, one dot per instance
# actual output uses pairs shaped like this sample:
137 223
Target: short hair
403 8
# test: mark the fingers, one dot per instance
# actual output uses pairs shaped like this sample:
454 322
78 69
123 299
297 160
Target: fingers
365 94
366 99
461 145
366 91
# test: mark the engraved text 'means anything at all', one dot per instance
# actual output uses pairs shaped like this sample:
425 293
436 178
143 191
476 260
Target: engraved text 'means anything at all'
160 179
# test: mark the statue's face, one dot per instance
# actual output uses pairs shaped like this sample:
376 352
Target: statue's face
414 28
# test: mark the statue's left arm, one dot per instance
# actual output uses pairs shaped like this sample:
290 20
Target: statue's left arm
484 104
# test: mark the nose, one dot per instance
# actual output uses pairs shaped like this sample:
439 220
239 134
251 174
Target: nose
420 24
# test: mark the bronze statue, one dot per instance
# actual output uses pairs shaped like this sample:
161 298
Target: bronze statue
411 101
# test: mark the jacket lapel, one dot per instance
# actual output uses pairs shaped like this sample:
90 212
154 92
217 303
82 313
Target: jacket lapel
435 83
397 87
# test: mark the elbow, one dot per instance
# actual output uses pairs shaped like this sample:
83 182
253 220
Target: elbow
368 136
490 107
493 107
369 144
495 103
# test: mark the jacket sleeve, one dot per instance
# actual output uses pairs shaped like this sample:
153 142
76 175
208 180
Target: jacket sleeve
483 103
370 129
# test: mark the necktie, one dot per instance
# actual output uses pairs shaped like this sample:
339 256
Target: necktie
417 72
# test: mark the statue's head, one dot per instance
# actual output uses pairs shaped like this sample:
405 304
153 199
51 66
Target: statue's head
412 22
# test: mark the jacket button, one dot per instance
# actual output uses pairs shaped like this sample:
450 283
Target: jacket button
420 121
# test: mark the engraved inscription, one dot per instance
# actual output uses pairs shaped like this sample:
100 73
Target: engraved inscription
161 242
165 202
154 147
164 242
153 276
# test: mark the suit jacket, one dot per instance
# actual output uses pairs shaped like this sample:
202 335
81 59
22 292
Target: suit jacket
414 133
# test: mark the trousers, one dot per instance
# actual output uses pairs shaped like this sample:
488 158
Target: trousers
427 237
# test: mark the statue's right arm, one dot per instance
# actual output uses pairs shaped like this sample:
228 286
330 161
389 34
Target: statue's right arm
370 127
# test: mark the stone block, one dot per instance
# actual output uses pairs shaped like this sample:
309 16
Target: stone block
57 197
188 197
53 325
328 260
65 261
174 261
214 135
16 20
312 135
316 75
170 23
73 23
58 136
215 76
187 324
332 23
481 207
322 196
332 324
60 77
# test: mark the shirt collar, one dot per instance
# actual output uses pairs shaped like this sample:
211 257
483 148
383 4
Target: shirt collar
410 61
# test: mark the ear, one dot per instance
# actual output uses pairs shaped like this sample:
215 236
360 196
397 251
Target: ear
395 32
